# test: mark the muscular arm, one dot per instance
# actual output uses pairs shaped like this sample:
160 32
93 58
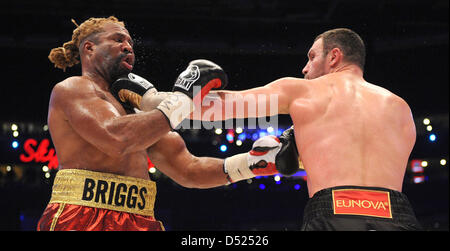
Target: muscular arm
171 157
268 100
100 123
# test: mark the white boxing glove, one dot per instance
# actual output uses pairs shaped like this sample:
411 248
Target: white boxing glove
151 100
260 161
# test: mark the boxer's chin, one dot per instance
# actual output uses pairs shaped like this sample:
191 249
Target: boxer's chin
118 70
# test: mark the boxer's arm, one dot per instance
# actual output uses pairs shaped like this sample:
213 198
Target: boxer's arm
172 158
99 122
268 100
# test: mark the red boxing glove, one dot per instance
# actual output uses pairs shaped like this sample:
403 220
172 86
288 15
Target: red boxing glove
199 78
260 161
191 86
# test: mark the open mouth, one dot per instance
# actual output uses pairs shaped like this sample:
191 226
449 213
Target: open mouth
128 62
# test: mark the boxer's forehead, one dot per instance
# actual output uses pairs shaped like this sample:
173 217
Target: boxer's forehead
316 48
115 28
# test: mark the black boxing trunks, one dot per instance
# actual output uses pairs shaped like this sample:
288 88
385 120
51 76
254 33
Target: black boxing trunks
93 201
356 208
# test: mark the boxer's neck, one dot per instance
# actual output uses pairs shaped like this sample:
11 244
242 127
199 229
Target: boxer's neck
97 79
350 68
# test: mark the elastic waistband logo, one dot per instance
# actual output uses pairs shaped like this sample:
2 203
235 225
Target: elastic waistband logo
112 193
362 202
104 190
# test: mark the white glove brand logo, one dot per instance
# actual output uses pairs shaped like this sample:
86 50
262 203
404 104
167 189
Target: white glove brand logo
139 80
188 77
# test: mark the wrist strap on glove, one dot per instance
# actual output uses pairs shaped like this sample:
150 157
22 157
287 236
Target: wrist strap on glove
176 107
237 167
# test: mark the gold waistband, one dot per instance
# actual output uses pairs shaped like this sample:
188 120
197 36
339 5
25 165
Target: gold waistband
104 190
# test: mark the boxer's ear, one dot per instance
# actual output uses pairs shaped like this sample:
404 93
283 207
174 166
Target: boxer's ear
335 57
89 46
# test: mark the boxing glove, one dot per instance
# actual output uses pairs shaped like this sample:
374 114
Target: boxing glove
199 78
287 162
129 89
259 161
151 100
190 88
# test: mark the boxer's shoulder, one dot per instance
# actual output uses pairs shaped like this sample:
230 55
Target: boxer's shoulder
289 82
292 87
73 87
75 83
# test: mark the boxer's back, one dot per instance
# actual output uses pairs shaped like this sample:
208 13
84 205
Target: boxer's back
350 132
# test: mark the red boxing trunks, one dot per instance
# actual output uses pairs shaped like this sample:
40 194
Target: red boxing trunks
355 208
92 201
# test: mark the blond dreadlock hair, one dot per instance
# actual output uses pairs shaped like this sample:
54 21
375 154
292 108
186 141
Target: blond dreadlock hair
68 54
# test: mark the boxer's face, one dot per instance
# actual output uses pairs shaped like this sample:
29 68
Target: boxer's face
114 53
316 65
